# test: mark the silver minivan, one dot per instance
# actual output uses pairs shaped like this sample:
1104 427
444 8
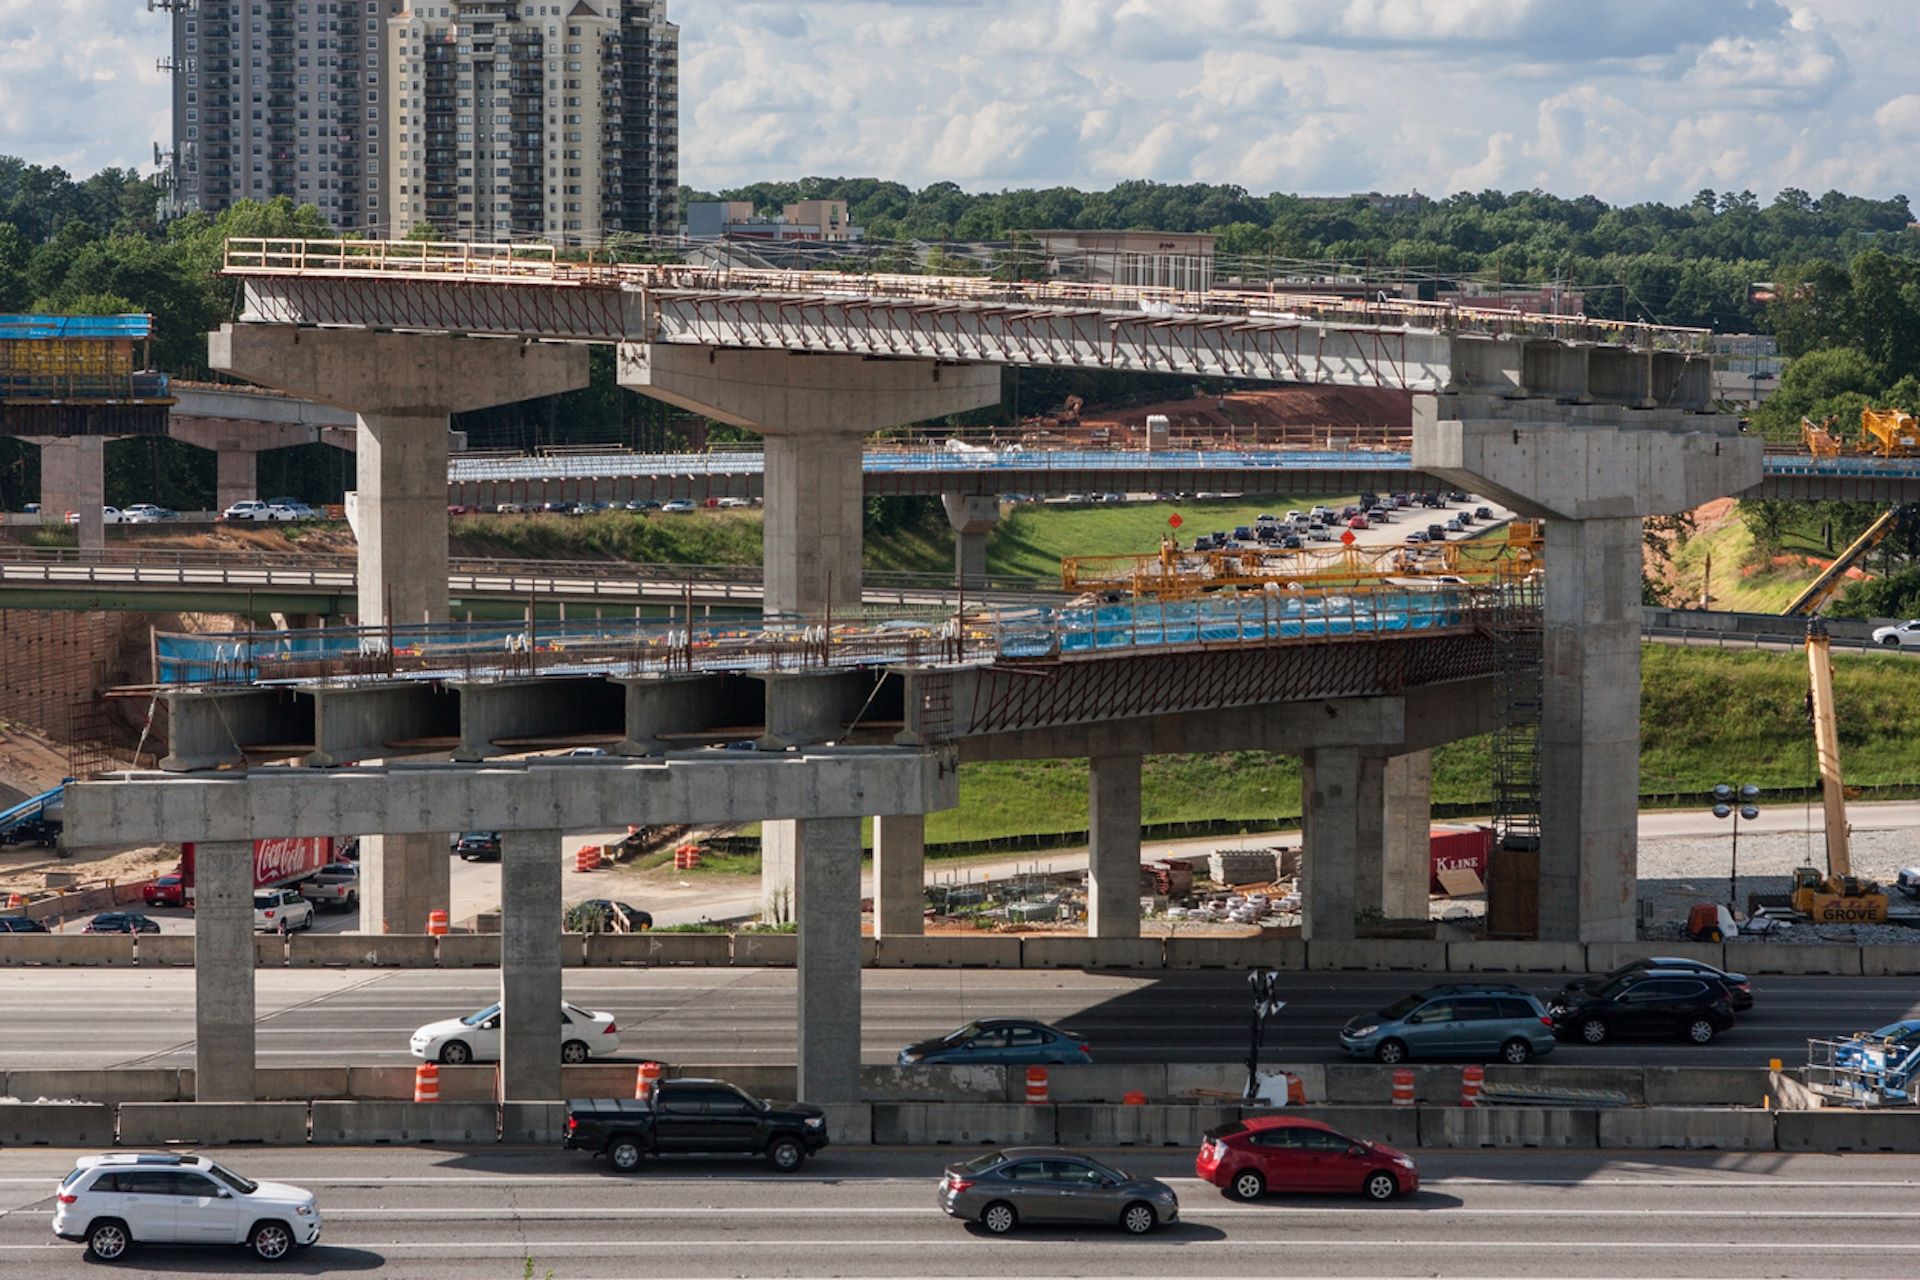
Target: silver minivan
1492 1021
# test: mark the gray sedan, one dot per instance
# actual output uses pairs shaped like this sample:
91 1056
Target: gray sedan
1002 1189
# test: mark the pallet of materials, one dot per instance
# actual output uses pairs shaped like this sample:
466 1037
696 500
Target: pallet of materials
1243 866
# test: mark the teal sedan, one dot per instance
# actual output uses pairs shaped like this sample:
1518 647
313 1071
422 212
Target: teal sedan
1001 1041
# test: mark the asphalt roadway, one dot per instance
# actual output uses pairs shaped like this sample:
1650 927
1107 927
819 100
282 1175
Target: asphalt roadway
96 1018
513 1213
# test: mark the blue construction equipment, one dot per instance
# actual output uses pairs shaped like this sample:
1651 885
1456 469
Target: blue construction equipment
1879 1068
36 820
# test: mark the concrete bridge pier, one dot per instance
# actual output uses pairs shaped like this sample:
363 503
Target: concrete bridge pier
403 387
1592 473
1331 798
974 518
73 478
530 992
237 446
223 1004
1113 846
814 410
899 876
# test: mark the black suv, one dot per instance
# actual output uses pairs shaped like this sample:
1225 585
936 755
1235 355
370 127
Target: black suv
604 915
1739 989
1650 1002
20 924
478 846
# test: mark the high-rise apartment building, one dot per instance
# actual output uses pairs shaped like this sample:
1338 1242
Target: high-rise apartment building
282 98
542 121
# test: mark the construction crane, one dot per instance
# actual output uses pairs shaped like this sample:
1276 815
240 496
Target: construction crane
1836 897
1822 588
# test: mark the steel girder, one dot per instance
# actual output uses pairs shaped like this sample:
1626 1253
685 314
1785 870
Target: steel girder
1302 351
1014 696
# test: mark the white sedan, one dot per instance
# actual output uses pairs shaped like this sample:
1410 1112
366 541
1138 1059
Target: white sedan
476 1038
1904 636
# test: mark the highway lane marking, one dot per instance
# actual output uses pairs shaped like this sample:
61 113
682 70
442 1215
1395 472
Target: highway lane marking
517 1213
522 1247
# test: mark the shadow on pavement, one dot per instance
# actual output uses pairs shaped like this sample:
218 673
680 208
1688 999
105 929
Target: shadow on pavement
321 1259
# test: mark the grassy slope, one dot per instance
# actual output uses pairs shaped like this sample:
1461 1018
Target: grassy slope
1706 717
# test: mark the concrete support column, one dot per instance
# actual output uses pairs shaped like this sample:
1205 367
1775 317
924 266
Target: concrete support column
1329 796
828 867
1407 871
1113 847
899 876
73 478
815 501
530 992
401 471
236 477
223 1044
973 518
1370 835
1590 732
402 880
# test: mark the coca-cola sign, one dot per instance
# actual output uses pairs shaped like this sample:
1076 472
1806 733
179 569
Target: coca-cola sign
285 858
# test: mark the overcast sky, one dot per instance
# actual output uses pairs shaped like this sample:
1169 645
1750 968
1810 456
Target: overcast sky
1626 99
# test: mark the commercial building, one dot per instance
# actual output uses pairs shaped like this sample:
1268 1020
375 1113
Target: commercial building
825 220
281 98
553 122
1141 259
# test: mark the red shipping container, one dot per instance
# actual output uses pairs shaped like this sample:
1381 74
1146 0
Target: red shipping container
1457 848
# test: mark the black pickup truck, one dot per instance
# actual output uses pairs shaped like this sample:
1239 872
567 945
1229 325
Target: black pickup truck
708 1117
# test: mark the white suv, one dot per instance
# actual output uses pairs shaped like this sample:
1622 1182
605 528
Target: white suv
116 1201
1904 636
283 910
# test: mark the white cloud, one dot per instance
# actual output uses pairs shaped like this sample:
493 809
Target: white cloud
1627 99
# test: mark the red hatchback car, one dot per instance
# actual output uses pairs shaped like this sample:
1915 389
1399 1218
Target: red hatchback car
1250 1157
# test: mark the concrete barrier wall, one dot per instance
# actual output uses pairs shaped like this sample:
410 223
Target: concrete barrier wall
301 1084
369 1123
966 1124
945 951
344 950
976 1083
1793 957
1096 1082
152 1124
1517 957
132 1084
153 949
1688 1130
55 1124
762 1081
476 1083
1417 956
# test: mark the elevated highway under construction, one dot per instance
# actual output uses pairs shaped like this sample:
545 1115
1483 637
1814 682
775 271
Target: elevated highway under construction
1584 425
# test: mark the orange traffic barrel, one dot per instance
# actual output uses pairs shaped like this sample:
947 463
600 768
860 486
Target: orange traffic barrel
1134 1098
1471 1078
426 1083
437 922
1296 1092
1036 1085
588 859
645 1080
1403 1088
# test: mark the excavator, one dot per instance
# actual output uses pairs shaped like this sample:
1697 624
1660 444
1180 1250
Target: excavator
1837 897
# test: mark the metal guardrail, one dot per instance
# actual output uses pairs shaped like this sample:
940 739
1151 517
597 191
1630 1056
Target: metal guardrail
188 567
542 265
623 647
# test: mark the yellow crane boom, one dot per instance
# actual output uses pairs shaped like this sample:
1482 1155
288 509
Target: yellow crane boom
1826 743
1835 575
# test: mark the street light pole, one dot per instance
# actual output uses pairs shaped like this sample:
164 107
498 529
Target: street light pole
1735 800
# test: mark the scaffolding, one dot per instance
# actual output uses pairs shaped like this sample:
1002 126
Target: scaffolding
45 359
1516 743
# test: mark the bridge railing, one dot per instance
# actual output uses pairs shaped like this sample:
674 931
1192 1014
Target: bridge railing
629 647
521 263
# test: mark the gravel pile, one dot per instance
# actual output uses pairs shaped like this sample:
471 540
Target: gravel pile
1676 873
